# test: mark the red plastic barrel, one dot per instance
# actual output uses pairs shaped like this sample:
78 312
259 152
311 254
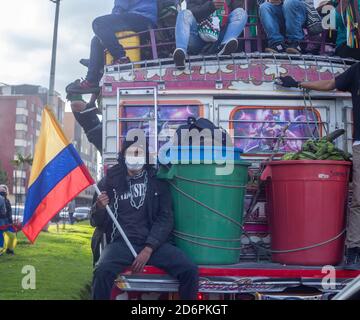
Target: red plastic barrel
307 206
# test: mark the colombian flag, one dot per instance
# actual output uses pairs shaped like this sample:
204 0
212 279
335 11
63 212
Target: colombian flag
57 176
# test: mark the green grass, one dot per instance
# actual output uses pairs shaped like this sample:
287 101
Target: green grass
63 264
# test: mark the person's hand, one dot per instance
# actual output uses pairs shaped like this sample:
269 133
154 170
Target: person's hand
287 82
102 200
141 260
218 3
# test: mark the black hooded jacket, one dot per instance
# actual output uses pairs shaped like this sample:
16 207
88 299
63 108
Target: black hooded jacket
158 202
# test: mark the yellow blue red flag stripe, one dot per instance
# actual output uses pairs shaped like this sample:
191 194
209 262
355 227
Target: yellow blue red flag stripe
57 176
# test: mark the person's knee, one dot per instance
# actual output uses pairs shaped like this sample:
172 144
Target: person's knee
293 4
186 16
97 24
191 271
266 8
239 14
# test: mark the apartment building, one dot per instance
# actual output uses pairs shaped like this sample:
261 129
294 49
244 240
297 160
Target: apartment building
20 120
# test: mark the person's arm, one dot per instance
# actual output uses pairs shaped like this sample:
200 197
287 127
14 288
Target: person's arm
164 222
322 85
98 215
343 82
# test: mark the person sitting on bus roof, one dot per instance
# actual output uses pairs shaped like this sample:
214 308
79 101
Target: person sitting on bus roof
167 13
200 24
345 46
280 17
349 81
143 207
135 15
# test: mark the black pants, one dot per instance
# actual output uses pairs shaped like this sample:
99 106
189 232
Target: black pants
71 217
346 52
92 126
116 257
105 29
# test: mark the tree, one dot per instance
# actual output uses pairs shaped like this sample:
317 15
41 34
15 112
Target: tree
3 176
19 163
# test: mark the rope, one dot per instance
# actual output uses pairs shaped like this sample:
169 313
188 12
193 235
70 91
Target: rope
311 246
307 116
206 206
256 245
313 110
210 184
204 238
207 245
244 231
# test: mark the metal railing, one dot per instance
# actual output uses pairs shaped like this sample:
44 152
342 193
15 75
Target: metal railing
252 38
248 67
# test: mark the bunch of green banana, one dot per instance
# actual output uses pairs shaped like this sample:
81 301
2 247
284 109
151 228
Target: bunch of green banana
322 149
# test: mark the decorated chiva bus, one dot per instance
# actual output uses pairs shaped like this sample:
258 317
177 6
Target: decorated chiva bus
244 243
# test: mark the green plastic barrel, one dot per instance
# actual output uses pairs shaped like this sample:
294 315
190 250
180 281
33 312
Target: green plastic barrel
208 210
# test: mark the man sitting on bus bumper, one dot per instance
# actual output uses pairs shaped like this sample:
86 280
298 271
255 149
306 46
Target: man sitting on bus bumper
143 207
349 81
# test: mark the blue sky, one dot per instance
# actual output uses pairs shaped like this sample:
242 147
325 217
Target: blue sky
26 28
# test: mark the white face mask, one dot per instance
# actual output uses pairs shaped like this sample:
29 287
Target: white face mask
134 163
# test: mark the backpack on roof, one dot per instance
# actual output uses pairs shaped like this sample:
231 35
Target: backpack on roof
313 19
201 124
209 28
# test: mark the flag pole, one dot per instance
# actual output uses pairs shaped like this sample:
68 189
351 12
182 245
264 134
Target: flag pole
128 243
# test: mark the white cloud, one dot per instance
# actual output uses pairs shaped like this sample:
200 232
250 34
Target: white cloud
26 29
